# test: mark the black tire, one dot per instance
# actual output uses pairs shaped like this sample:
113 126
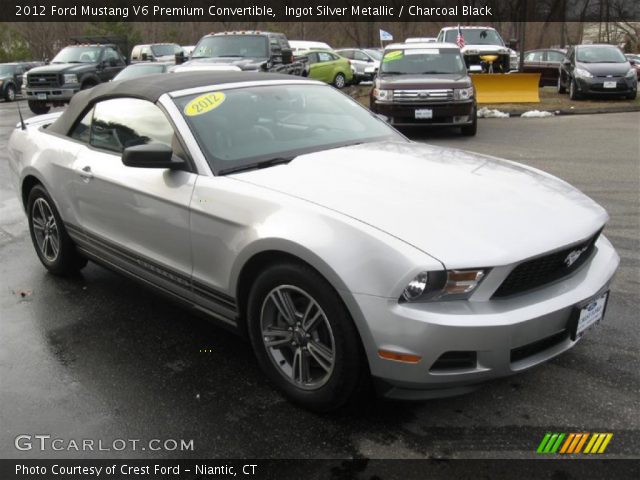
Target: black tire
340 81
561 88
631 96
38 107
319 388
47 229
471 130
10 93
573 90
87 85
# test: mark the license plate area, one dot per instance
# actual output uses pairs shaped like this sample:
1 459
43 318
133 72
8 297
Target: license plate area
41 96
423 114
610 84
587 315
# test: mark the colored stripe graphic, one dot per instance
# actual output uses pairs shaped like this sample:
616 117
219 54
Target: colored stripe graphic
572 443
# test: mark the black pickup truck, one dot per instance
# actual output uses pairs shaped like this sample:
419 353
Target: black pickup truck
74 68
249 51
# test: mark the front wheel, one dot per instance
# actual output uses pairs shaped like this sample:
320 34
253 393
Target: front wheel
53 245
304 338
560 87
10 93
340 81
573 90
39 108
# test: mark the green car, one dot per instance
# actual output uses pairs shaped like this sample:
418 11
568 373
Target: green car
329 67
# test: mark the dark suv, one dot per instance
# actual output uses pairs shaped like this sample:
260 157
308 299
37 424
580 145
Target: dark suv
250 51
597 70
425 85
11 75
74 68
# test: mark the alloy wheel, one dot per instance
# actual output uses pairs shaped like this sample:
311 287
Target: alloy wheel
45 229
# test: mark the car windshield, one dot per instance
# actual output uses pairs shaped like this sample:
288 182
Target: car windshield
475 36
422 61
252 46
77 55
140 70
164 50
7 69
375 54
600 55
238 128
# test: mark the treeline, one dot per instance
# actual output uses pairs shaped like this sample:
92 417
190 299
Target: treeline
40 41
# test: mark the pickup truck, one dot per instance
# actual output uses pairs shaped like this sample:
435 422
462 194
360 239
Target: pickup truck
74 68
250 51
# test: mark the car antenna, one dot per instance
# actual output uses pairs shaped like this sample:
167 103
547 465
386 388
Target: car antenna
22 125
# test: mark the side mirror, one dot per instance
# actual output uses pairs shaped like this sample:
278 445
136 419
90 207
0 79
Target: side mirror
152 155
566 61
144 57
179 57
287 56
513 44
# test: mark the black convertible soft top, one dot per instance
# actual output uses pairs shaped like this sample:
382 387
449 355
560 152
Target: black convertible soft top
151 88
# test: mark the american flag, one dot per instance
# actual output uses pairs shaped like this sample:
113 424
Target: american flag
460 38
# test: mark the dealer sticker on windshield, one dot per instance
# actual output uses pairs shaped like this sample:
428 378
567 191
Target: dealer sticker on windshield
204 103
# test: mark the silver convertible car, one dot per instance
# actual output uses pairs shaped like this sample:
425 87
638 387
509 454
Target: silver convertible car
345 252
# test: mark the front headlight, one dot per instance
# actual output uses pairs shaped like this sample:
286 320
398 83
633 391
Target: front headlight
384 95
70 78
462 93
630 74
581 72
443 285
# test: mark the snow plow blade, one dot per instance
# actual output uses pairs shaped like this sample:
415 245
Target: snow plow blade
506 88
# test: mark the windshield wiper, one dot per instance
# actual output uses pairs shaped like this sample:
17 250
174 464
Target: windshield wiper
257 165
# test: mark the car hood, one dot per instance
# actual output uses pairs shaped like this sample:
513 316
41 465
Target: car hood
604 69
242 63
464 209
63 68
393 82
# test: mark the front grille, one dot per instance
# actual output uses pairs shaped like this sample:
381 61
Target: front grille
43 80
531 349
423 95
546 269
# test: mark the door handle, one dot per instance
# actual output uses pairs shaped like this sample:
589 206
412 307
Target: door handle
86 173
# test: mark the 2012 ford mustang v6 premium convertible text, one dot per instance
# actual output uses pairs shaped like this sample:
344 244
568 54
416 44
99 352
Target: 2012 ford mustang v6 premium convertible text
284 209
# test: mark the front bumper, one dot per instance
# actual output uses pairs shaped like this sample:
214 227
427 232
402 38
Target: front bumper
51 94
596 85
504 336
454 113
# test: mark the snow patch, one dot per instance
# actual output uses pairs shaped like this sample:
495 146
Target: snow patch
485 112
537 114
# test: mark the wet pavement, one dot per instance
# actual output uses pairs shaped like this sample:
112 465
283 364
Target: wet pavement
99 357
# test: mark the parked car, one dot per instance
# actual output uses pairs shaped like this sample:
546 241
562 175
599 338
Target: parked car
597 70
142 69
286 210
546 62
11 75
155 52
328 67
425 85
298 46
365 62
634 60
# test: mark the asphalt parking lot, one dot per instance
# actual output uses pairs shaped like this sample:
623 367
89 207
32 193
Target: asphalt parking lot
99 357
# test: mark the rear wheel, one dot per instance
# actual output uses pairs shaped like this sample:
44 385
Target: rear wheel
10 93
38 107
304 338
54 247
340 81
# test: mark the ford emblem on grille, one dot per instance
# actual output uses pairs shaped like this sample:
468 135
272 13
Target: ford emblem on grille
423 95
574 256
42 79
